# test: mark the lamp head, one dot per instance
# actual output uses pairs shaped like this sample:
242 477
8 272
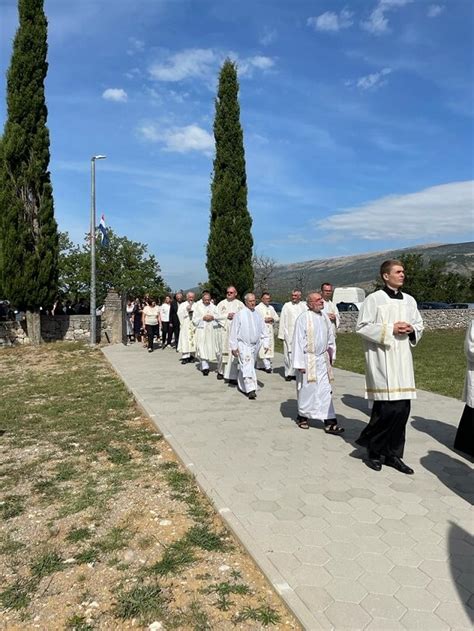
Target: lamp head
99 157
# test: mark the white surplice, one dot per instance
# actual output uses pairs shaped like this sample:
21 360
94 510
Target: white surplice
227 365
288 317
468 393
187 333
389 365
207 332
268 312
247 333
313 349
330 307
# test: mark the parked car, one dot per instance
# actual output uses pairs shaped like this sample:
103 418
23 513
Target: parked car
278 306
349 295
347 306
434 305
459 305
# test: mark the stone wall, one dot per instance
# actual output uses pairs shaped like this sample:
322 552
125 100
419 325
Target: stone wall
13 333
433 319
73 328
111 327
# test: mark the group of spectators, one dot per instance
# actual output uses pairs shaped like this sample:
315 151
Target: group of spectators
150 318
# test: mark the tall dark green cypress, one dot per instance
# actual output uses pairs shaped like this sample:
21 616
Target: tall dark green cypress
28 230
229 248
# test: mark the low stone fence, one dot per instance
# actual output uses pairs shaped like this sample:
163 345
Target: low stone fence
111 326
433 319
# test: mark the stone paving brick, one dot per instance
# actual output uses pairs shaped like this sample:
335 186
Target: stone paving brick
423 621
347 616
455 617
382 606
344 569
310 575
313 555
417 598
315 597
379 584
346 591
411 576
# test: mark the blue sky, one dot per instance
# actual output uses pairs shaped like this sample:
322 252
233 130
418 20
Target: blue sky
357 117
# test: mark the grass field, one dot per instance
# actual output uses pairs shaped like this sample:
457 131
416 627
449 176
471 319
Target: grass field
100 526
439 359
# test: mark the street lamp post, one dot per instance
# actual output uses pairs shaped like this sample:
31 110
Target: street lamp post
92 238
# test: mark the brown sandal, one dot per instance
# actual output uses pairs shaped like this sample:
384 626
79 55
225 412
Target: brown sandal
303 423
334 429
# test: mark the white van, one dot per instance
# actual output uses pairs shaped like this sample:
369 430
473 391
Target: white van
349 296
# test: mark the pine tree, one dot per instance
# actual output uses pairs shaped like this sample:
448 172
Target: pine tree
229 248
28 230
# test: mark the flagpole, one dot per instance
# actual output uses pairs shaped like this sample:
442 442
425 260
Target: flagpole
93 324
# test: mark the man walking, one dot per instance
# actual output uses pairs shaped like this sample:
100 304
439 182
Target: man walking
313 353
291 310
247 334
390 324
330 308
187 339
227 365
166 330
174 320
206 321
270 317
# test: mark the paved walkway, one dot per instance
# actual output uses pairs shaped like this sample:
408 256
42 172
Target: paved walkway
346 547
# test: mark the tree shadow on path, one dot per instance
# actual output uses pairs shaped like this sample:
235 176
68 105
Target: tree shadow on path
461 563
442 432
454 474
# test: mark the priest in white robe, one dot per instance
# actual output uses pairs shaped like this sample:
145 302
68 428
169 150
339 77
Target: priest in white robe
291 310
313 352
206 322
227 364
247 334
390 324
330 308
464 440
187 333
271 318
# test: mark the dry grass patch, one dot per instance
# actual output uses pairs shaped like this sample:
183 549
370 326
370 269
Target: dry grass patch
100 526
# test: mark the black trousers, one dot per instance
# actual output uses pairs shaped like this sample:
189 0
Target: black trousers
166 333
151 331
176 327
464 440
385 433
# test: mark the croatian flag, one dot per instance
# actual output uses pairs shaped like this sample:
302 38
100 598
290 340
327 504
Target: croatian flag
104 239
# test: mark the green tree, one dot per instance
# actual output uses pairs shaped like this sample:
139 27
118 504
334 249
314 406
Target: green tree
229 248
124 265
28 231
427 280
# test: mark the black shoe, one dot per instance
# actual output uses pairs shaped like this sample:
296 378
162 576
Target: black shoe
252 395
232 382
374 463
205 372
220 376
268 371
398 464
288 378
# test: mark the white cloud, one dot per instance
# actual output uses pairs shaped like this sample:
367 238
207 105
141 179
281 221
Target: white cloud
371 81
377 22
432 213
115 94
204 63
434 10
179 139
330 21
192 62
268 37
135 46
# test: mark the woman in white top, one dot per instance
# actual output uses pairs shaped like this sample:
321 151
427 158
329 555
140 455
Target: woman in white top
151 314
129 312
166 330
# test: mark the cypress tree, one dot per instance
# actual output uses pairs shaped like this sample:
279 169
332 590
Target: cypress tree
28 230
229 248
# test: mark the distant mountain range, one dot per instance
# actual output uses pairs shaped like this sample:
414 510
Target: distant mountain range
361 270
